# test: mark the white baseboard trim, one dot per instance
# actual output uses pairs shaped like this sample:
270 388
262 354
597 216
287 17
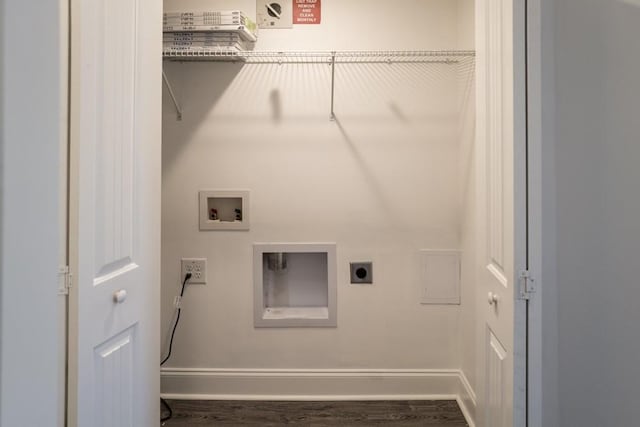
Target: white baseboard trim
310 384
467 399
308 398
320 385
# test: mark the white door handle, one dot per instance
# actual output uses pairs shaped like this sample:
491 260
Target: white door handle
119 296
493 298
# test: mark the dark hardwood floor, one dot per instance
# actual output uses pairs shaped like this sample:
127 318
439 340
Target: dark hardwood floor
316 414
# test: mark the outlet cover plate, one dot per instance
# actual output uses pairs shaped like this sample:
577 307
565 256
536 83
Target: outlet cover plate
198 269
274 14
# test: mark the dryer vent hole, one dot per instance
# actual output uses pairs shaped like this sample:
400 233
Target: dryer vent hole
274 7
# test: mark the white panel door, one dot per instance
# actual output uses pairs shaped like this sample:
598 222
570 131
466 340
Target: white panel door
501 145
115 219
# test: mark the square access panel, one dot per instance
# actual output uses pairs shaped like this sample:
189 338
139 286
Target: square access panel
439 276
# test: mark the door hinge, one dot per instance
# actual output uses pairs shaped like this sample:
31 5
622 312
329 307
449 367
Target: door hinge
526 285
64 280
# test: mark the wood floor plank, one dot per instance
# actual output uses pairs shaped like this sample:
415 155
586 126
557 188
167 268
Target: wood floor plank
190 413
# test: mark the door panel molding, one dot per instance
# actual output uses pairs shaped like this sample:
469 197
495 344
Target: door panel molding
495 357
498 274
115 96
495 137
114 362
114 274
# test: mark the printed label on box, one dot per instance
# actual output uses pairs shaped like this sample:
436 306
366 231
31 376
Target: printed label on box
307 11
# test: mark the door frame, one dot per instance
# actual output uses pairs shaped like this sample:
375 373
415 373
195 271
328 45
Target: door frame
65 277
537 249
521 252
541 208
541 251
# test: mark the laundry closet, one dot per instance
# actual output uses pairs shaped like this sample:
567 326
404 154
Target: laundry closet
340 159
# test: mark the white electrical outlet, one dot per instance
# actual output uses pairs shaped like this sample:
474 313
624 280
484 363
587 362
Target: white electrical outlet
274 14
198 269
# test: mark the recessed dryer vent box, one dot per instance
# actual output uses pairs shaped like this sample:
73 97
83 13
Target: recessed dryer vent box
294 285
224 210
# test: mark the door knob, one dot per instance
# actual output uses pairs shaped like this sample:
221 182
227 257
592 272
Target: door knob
493 298
119 296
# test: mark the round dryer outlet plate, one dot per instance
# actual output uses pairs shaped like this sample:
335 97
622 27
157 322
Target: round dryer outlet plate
361 272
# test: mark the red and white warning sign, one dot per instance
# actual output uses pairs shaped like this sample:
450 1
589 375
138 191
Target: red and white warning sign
307 11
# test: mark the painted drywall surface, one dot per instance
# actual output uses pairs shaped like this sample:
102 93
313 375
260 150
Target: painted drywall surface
466 10
466 171
382 182
29 238
355 25
598 232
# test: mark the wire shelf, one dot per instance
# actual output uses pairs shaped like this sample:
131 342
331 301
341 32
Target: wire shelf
326 57
330 58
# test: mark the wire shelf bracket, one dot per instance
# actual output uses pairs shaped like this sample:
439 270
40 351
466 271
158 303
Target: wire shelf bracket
173 96
332 116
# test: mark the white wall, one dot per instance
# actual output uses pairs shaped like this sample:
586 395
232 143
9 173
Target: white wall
598 210
29 238
467 349
382 182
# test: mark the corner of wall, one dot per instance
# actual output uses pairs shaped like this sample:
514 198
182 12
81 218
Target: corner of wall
467 400
466 36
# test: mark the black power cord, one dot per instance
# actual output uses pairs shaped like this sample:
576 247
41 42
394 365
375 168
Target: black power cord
175 325
173 332
169 411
